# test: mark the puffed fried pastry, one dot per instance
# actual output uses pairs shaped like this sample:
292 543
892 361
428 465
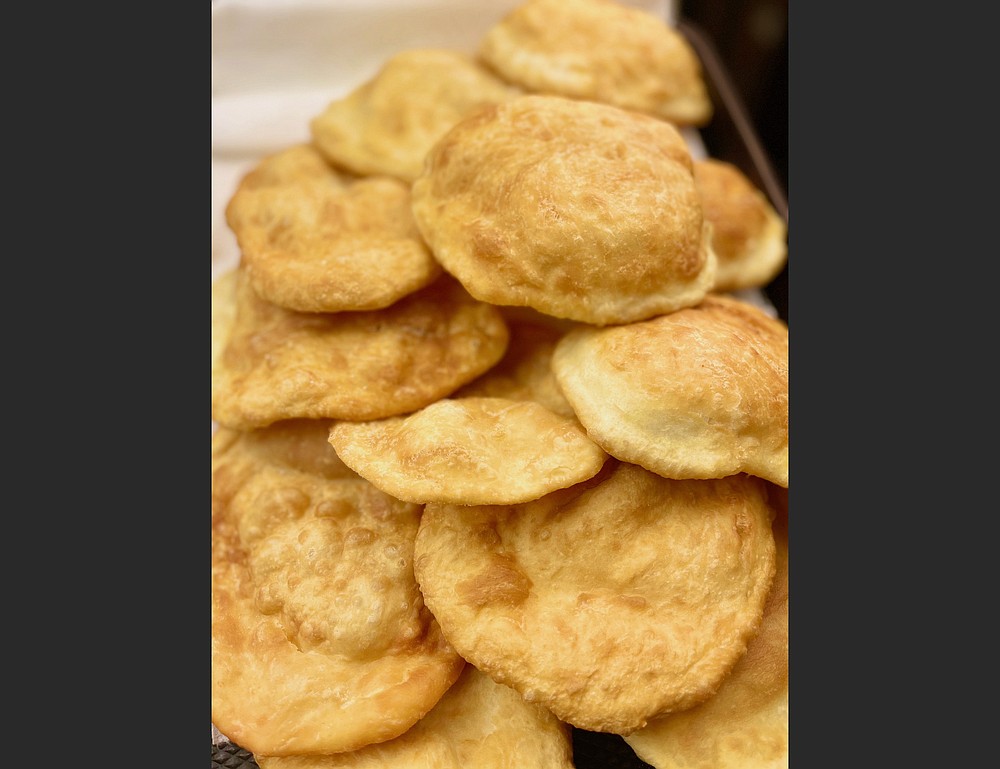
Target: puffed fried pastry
321 641
620 599
388 124
280 364
470 451
313 240
600 50
578 210
697 393
477 724
749 238
745 724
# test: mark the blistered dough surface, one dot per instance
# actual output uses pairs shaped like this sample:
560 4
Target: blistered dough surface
388 124
471 450
578 210
622 598
279 364
320 638
600 51
698 393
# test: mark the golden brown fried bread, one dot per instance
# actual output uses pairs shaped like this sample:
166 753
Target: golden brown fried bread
579 210
280 364
698 393
470 451
318 243
387 125
320 638
223 311
622 598
477 724
525 371
745 724
749 238
600 51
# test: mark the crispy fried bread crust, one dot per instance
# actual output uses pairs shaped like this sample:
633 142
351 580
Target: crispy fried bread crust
579 210
280 364
625 597
750 239
320 638
314 240
388 124
601 51
745 724
698 393
470 451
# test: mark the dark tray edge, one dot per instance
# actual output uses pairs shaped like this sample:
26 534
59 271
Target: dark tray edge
731 136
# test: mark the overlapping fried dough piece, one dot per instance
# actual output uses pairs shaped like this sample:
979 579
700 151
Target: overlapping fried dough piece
477 724
749 238
698 393
280 364
314 241
579 210
524 372
320 638
388 124
470 451
745 724
625 597
601 51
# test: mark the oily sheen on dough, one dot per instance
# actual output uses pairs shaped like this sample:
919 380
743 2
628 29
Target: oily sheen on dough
745 724
578 210
622 598
477 724
388 124
697 393
320 638
316 241
749 238
280 364
470 451
603 51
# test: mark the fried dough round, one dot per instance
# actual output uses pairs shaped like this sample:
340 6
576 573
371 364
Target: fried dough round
698 393
327 244
477 724
320 638
525 371
622 598
601 51
579 210
388 124
749 238
470 451
280 364
745 724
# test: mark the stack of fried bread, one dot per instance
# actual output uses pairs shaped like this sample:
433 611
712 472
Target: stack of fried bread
497 451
